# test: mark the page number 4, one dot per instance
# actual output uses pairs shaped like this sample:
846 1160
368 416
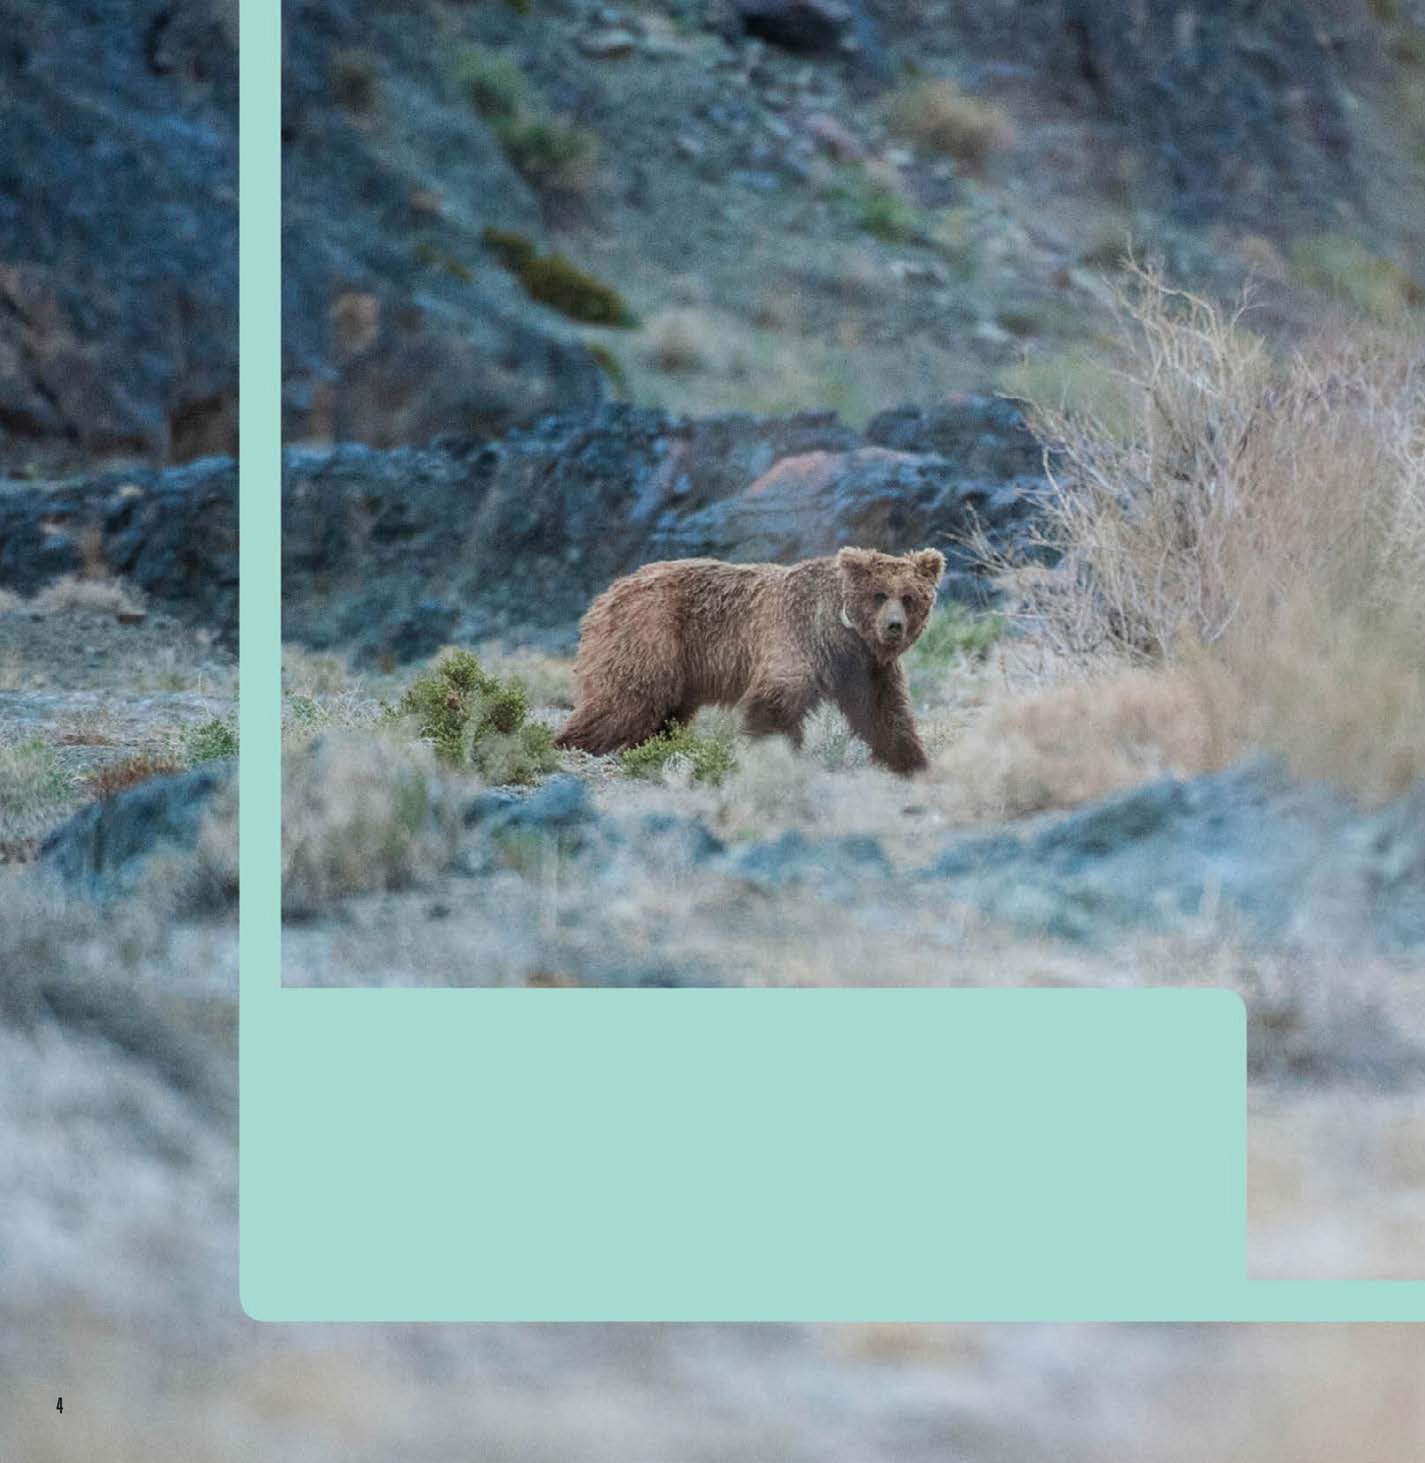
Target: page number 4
59 1405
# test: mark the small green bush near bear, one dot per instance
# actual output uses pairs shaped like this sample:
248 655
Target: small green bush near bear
477 720
208 741
552 280
955 633
708 758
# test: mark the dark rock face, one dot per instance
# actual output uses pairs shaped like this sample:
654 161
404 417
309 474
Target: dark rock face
1288 861
101 851
118 230
171 534
1233 108
518 535
118 239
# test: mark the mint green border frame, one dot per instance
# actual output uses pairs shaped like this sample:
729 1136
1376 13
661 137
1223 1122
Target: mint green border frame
269 1017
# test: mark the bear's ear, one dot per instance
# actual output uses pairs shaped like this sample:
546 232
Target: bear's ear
929 564
854 561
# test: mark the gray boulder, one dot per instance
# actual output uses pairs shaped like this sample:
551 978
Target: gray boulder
1286 861
102 851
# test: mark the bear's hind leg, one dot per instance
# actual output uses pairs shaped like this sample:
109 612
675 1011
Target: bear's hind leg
600 729
776 709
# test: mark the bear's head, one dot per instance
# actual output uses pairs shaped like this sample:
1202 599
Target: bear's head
886 598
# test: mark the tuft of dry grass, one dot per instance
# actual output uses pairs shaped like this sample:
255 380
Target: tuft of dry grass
1083 740
940 117
78 594
680 341
362 813
34 787
1259 521
548 679
314 673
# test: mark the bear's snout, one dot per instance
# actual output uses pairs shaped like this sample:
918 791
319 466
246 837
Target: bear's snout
893 621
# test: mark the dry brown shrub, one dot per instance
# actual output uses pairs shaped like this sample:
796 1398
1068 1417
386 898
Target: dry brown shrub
115 777
939 116
77 593
1260 521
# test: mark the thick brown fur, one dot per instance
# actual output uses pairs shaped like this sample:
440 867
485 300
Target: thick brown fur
773 640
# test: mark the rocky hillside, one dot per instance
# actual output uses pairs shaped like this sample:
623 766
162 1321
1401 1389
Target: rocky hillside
772 205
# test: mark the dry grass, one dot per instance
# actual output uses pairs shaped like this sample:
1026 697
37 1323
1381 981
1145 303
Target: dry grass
1260 522
549 679
1083 740
362 812
314 673
680 341
940 117
34 788
74 593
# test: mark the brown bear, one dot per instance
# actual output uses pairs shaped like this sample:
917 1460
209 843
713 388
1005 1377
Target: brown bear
773 640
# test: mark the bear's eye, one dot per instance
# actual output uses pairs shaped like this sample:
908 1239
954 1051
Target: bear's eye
880 597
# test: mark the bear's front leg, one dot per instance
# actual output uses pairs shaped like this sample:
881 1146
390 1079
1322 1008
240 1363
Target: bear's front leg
878 711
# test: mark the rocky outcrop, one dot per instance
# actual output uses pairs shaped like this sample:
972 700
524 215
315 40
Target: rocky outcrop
398 552
171 534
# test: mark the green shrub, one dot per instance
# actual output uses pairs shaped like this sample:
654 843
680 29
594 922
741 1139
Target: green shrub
513 250
709 759
552 280
493 84
551 155
477 720
207 741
